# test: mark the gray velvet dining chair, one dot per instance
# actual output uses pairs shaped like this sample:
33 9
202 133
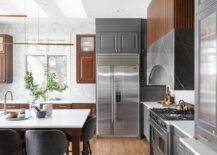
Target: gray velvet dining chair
88 132
10 142
46 142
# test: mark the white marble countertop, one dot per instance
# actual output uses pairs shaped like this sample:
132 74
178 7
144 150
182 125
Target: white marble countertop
186 127
151 105
197 147
73 118
51 101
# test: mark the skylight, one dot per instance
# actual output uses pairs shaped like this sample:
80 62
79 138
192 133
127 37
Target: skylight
72 8
17 7
2 12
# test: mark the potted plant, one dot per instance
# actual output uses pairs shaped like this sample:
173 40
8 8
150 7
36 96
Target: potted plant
38 92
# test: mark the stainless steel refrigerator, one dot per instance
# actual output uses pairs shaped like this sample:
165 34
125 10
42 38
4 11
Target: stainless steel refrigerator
118 95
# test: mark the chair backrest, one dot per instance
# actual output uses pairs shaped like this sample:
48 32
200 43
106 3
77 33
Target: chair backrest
46 142
89 128
10 142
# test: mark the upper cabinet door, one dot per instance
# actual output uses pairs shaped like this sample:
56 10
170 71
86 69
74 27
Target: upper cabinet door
107 42
2 68
206 68
128 42
1 45
86 67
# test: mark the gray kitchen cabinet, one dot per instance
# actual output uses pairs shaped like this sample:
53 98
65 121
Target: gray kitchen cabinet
146 123
188 151
128 42
118 35
118 42
106 42
178 147
206 82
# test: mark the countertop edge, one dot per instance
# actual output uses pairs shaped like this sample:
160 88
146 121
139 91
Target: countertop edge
53 102
191 142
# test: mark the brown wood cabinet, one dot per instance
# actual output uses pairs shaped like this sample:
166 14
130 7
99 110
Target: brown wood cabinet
165 15
62 106
6 59
86 61
90 106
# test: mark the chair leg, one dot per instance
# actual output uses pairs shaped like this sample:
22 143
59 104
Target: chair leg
88 143
67 152
85 150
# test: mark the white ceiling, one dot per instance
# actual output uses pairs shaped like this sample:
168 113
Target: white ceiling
116 8
59 10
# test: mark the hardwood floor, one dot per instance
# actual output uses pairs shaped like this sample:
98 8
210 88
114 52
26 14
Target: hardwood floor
119 146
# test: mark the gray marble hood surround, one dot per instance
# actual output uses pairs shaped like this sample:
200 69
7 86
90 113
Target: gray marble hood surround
174 53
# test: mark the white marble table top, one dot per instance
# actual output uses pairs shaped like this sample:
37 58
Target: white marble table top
72 118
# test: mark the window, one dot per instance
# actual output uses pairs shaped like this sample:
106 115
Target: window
57 65
41 60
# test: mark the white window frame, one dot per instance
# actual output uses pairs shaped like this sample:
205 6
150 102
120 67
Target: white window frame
66 52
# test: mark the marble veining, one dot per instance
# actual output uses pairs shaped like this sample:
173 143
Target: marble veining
174 52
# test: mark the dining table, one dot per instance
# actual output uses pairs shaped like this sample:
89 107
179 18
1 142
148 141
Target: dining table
70 121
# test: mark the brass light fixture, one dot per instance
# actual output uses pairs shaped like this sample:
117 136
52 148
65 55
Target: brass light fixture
14 16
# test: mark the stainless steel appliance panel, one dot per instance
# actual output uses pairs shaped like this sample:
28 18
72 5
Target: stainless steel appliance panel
118 95
104 100
126 101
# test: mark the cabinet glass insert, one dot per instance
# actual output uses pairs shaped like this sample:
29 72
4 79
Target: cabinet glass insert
87 44
207 93
1 44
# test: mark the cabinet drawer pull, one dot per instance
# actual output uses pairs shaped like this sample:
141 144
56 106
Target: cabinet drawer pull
11 106
62 106
204 138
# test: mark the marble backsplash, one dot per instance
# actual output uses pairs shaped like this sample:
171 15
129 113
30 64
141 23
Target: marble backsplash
174 53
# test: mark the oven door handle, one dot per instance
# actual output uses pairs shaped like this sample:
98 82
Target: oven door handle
160 133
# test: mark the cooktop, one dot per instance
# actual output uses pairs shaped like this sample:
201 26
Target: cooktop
174 114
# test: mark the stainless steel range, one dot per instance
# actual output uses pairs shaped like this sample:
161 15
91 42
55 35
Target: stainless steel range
161 131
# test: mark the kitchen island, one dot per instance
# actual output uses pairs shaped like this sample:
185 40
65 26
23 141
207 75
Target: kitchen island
69 121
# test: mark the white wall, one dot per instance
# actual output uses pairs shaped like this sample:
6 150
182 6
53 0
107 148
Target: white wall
186 95
51 30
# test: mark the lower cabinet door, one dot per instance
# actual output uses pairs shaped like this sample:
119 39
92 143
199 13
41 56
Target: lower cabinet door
86 68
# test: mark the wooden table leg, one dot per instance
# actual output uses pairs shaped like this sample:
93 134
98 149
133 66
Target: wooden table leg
75 145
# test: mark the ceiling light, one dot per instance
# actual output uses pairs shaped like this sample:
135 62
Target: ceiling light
120 10
72 8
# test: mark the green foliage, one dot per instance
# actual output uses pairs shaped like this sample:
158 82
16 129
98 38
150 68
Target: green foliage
37 91
53 85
